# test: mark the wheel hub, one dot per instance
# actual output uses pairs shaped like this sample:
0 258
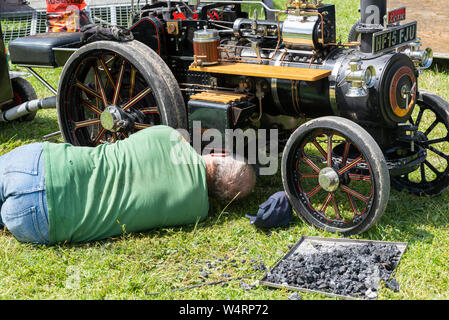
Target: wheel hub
328 179
114 119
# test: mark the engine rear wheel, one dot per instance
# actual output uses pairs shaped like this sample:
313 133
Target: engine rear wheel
335 175
431 117
111 90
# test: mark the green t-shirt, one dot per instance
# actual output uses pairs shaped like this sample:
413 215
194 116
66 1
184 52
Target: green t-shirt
152 179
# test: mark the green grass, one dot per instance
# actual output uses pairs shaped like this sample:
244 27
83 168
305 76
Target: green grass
134 266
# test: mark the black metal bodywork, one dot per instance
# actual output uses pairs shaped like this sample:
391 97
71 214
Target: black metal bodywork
168 28
280 97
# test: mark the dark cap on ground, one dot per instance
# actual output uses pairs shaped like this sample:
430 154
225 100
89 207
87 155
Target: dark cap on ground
273 213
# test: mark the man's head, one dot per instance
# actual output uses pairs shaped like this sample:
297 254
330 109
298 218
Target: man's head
228 177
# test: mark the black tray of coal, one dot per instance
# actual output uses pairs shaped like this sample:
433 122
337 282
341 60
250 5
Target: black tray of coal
350 269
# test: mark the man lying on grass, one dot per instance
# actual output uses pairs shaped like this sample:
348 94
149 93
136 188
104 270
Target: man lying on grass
52 193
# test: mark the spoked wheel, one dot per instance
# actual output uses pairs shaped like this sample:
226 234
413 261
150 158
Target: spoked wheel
335 175
354 35
23 91
110 90
431 117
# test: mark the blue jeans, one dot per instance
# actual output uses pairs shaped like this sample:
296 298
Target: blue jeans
23 198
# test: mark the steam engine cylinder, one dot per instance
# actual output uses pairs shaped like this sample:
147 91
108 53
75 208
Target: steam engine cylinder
311 30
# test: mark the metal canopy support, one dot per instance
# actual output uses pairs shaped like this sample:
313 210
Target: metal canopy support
42 80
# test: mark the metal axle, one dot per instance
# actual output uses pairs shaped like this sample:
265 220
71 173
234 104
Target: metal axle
26 108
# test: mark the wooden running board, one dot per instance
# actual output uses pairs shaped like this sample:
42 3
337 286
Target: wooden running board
265 71
218 96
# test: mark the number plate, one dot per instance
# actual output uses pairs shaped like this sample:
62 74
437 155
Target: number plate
397 15
394 37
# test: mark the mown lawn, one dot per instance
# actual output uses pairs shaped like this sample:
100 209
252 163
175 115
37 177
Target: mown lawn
136 266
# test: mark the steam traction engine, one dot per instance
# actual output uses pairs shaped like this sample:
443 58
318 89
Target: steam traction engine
208 61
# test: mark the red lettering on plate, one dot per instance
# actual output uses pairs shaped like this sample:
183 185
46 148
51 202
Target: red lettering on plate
397 15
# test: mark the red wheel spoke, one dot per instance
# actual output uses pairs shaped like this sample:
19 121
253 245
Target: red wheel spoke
124 135
141 126
329 150
311 164
100 85
359 177
114 56
86 123
335 206
354 193
132 82
346 152
136 99
88 90
307 175
314 191
106 71
119 83
319 148
329 198
352 204
91 107
350 165
97 100
149 110
100 135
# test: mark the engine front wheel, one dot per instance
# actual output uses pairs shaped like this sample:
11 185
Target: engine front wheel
335 175
431 117
111 90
